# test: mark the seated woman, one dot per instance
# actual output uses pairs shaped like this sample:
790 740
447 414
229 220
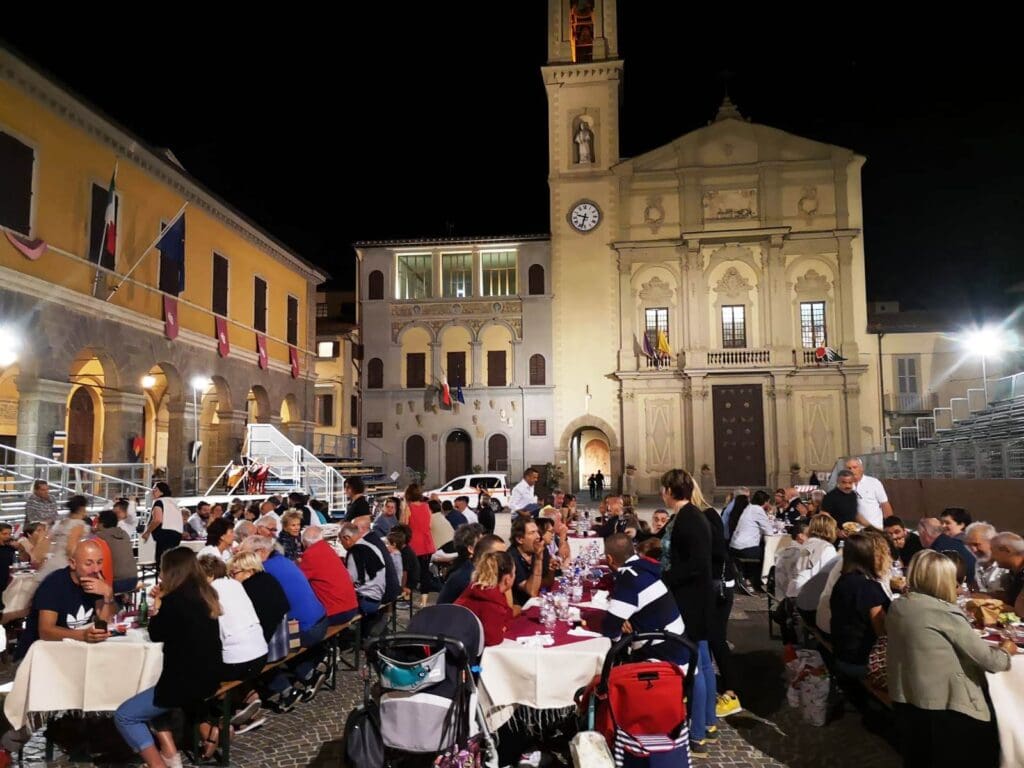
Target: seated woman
183 617
34 544
488 594
220 536
816 552
291 525
859 603
936 669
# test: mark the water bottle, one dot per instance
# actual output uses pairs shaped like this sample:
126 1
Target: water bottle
143 611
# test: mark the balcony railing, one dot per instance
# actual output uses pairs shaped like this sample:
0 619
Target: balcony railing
738 358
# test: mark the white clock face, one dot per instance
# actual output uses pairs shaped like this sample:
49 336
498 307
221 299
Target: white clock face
584 216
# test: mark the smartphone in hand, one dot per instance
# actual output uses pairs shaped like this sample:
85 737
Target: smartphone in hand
100 624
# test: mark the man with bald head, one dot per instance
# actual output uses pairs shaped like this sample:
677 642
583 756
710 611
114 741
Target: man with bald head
69 601
932 536
1008 553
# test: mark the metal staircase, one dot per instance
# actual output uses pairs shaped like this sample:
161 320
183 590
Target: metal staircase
292 466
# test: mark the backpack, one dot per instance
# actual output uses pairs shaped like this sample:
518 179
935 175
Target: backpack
364 747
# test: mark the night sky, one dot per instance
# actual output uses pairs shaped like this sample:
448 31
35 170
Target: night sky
431 120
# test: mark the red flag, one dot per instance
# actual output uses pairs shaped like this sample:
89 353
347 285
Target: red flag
171 317
261 351
110 223
293 356
30 249
223 347
446 393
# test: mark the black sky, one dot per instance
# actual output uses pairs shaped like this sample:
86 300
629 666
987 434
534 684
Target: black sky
399 120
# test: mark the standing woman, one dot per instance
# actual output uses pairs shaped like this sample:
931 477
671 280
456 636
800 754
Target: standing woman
723 584
65 535
185 610
421 543
165 522
686 571
936 670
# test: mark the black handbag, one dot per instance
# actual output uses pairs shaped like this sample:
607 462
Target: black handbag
364 747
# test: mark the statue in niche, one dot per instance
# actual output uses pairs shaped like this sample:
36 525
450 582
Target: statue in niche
584 139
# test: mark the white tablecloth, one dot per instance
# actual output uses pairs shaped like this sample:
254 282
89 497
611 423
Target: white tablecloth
68 674
1007 692
18 595
541 678
195 546
773 544
578 545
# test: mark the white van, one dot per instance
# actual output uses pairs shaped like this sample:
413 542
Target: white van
495 483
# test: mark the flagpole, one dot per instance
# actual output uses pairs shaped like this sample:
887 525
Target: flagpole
145 253
103 240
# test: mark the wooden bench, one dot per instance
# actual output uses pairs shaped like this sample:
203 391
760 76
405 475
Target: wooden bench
226 692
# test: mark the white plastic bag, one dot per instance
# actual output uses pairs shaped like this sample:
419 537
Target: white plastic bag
590 750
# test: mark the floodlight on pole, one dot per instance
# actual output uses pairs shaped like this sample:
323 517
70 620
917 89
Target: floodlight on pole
986 342
10 346
198 383
148 381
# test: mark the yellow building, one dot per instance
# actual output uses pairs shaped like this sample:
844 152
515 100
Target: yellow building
98 364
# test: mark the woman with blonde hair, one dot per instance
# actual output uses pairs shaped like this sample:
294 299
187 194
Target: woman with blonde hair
493 576
817 552
936 669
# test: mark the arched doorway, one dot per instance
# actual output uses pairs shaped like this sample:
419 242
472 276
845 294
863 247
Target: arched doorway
497 453
81 427
458 454
257 406
591 452
416 454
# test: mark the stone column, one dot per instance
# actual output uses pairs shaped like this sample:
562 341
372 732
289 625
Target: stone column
847 337
628 336
434 374
778 334
476 362
123 418
42 410
516 374
231 437
180 432
632 433
392 367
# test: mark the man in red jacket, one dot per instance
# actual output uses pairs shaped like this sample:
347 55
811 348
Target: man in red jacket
329 577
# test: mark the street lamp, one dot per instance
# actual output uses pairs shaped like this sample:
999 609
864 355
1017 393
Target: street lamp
986 342
148 381
198 383
10 345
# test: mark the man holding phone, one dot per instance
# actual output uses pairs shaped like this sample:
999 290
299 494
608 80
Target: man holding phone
74 602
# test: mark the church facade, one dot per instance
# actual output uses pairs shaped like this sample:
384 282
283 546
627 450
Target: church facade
705 301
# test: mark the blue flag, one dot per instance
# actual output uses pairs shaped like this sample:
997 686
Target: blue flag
172 248
458 394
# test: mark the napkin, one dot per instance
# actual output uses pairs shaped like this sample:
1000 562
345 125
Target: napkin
536 641
580 632
600 597
533 602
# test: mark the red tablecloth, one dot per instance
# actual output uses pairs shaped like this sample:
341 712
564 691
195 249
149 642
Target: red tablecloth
528 624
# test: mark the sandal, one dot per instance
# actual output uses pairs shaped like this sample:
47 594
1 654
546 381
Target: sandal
211 743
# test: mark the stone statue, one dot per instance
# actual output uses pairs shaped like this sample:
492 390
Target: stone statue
585 142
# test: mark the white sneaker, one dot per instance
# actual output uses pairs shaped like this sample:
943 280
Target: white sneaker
530 760
172 761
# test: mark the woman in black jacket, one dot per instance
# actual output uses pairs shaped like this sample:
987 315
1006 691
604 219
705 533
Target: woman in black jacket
686 571
184 618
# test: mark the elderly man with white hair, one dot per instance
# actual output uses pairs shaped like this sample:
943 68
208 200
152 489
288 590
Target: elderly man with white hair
1008 553
327 575
366 566
989 576
872 502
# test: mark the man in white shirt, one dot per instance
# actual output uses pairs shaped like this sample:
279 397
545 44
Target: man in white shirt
751 527
523 496
461 504
127 519
872 502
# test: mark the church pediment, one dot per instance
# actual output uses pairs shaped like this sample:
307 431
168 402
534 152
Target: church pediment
731 142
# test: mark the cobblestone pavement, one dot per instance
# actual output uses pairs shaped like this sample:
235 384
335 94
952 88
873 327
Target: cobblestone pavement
310 735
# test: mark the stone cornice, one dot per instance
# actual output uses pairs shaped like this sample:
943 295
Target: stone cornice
70 109
592 71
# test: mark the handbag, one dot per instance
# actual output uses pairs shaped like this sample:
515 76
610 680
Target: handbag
364 747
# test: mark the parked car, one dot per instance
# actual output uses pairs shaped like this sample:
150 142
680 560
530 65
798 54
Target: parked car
495 483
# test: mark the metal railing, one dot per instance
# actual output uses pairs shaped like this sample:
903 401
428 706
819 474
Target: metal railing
293 463
962 459
342 446
910 402
99 483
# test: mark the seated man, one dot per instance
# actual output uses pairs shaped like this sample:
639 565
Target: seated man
907 542
126 570
990 578
392 575
69 601
1008 552
366 566
531 559
749 529
328 577
639 600
613 521
195 528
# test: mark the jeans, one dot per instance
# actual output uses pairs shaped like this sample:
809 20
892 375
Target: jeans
133 716
302 669
705 695
342 618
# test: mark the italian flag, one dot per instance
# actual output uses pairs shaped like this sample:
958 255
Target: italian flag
446 393
110 223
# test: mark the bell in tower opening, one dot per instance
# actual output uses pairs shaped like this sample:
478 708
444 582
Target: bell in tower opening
582 26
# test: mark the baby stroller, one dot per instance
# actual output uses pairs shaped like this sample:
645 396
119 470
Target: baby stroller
639 705
427 693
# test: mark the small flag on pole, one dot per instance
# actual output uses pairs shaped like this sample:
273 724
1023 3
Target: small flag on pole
458 394
172 248
109 244
824 355
30 249
647 348
446 393
293 358
223 346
